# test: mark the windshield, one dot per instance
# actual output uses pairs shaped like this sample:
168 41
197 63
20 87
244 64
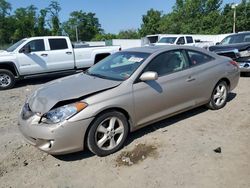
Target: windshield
239 38
14 46
119 66
169 40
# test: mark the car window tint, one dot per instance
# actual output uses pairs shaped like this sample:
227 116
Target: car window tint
168 62
198 58
189 40
36 45
58 44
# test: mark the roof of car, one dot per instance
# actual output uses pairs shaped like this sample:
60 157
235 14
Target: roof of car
154 49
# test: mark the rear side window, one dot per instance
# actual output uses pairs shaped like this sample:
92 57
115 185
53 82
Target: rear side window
58 44
181 41
190 40
36 45
198 58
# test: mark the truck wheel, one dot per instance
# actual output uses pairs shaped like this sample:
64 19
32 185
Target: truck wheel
7 79
107 133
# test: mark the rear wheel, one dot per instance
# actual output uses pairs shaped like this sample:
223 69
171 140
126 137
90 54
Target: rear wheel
7 79
107 133
219 96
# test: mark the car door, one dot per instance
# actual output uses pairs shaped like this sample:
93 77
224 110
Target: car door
172 92
204 69
60 55
34 61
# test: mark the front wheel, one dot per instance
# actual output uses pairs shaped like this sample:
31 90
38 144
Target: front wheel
7 79
219 96
107 133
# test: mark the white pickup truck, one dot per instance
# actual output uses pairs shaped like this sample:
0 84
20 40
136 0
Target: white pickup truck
170 39
39 56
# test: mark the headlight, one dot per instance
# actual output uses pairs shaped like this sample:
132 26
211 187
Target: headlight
60 114
26 112
245 53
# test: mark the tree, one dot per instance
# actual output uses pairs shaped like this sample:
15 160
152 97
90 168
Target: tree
41 23
104 36
128 34
25 19
5 9
151 22
85 24
54 9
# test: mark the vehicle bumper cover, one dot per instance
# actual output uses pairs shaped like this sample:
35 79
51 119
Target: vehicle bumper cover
244 66
57 139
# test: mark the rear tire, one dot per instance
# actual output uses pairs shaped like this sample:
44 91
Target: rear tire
7 79
107 133
219 96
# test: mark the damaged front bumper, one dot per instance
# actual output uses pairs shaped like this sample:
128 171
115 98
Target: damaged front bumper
244 66
62 138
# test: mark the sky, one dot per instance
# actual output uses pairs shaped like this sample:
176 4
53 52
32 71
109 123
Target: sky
113 15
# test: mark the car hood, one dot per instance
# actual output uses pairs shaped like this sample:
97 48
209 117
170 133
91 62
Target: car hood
230 47
68 88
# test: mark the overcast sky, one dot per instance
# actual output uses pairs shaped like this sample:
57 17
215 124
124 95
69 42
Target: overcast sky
114 15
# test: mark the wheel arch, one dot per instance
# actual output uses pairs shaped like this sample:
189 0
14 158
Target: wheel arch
10 66
121 110
225 80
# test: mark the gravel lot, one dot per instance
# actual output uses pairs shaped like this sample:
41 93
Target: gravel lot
177 152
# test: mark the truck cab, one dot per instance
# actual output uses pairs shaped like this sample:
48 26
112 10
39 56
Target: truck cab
38 56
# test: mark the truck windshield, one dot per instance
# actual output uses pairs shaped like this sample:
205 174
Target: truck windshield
238 38
14 46
168 40
119 66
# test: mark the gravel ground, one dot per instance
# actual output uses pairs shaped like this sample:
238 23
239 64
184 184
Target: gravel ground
177 152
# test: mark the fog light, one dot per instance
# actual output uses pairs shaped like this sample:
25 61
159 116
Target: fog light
46 145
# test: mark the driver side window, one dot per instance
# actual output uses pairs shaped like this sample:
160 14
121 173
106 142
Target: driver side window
36 45
168 62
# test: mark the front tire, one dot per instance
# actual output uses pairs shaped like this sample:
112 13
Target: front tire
107 133
219 96
7 79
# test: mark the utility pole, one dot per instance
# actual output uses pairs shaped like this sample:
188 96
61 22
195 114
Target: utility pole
77 34
234 25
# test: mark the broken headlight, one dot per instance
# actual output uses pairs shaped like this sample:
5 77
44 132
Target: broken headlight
26 112
62 113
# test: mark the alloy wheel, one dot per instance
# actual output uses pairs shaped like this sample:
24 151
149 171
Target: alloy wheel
220 95
109 133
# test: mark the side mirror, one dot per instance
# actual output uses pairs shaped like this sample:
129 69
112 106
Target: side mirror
147 76
26 49
217 43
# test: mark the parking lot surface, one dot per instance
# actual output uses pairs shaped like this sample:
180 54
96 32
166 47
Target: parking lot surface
176 152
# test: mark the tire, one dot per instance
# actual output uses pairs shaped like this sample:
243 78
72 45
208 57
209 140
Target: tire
7 79
107 133
219 96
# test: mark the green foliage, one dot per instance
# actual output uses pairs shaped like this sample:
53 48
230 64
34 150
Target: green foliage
187 16
128 34
54 9
104 36
151 22
85 24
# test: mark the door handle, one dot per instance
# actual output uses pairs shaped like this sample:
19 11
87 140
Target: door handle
190 79
44 55
69 53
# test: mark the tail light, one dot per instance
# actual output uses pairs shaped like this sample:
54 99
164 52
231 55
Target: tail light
234 63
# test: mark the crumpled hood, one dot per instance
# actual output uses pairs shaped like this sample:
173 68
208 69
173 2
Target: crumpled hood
68 88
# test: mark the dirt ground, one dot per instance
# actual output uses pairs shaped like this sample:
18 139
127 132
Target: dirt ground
177 152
